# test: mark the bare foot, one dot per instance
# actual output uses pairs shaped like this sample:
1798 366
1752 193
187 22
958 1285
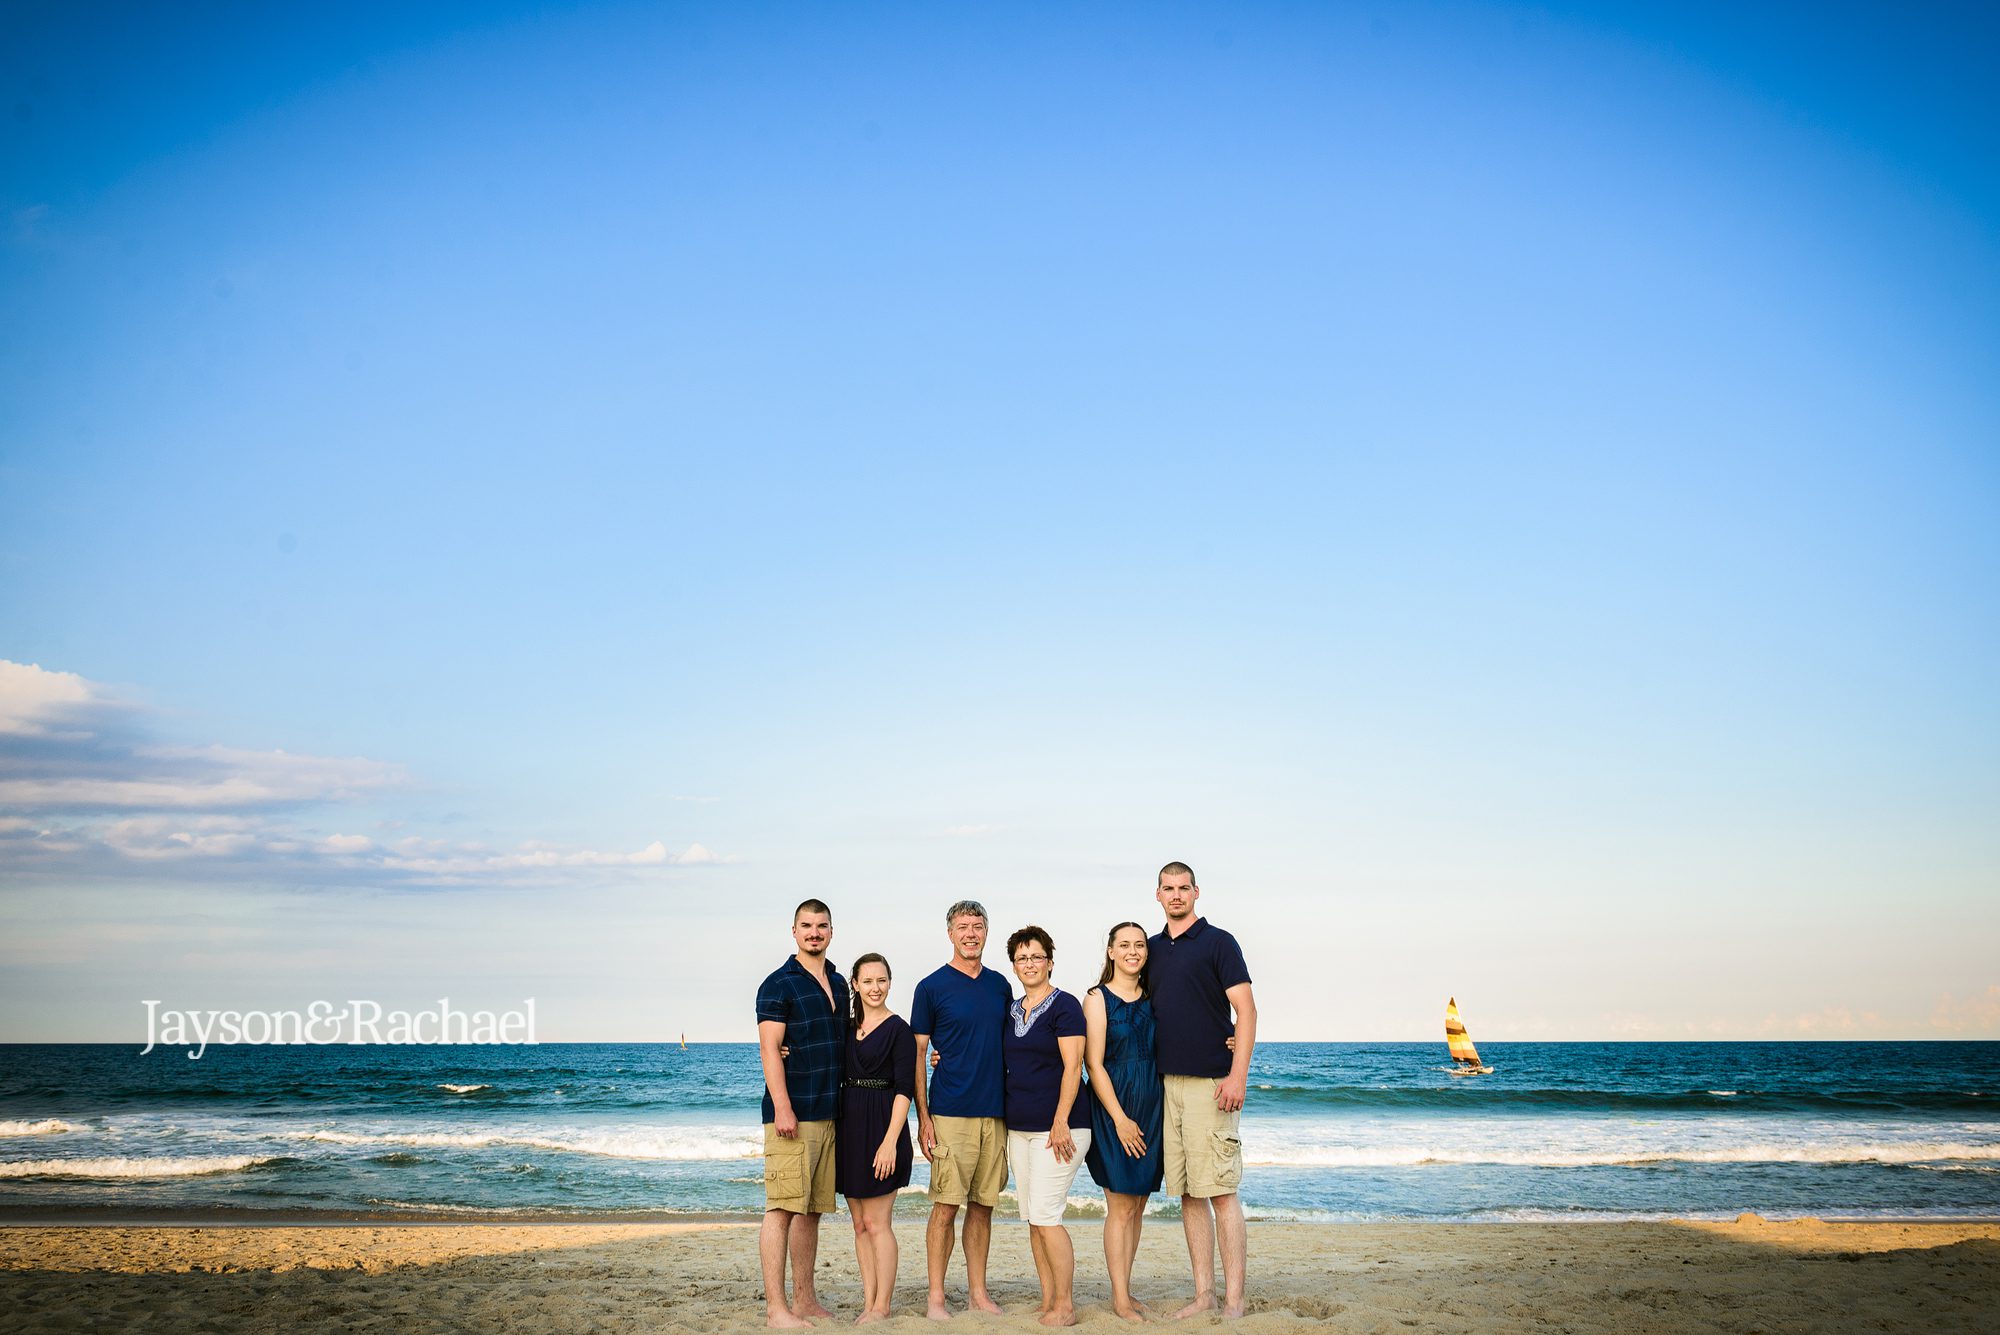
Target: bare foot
870 1315
1059 1316
984 1302
812 1311
1130 1311
1231 1311
780 1319
938 1310
1203 1302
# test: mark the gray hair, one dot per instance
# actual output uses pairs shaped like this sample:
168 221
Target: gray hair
965 908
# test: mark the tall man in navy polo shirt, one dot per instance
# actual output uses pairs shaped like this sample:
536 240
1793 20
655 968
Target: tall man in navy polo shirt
1198 978
961 1115
801 1009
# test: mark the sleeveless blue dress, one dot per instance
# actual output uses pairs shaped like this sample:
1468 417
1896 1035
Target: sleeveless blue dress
1135 1079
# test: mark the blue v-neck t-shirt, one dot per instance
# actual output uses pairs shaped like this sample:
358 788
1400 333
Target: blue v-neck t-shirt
964 1018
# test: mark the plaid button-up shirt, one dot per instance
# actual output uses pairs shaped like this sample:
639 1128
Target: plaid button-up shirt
815 1032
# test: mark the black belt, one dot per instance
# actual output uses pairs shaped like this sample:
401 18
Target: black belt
863 1082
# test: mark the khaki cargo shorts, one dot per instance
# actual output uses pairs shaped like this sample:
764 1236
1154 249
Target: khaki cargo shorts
798 1173
1204 1147
969 1164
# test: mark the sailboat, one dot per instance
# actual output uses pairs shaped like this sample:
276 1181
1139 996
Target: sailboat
684 1041
1464 1057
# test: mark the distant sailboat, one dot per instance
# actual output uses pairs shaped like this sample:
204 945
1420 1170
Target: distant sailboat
684 1040
1464 1057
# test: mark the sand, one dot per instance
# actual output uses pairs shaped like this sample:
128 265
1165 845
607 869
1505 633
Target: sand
1634 1278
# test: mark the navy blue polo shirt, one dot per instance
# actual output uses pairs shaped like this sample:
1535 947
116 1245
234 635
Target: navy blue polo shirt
963 1018
1035 1065
1191 977
815 1031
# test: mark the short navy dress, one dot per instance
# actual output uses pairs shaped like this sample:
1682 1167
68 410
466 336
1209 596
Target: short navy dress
1135 1079
879 1067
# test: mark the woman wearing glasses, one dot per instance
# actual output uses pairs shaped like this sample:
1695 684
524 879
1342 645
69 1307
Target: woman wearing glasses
1048 1114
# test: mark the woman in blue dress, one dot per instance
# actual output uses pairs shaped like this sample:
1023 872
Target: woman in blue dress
1125 1154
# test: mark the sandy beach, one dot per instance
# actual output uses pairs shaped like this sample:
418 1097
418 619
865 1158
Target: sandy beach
1747 1276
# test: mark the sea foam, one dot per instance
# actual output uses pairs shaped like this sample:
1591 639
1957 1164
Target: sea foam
679 1143
1424 1156
193 1166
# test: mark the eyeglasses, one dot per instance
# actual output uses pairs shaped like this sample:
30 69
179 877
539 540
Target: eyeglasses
1031 959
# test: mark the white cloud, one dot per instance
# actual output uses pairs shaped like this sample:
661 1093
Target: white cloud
469 863
109 801
208 778
150 838
37 703
1831 1021
698 856
1976 1014
208 847
68 744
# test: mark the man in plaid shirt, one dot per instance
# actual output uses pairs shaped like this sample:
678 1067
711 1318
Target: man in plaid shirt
801 1008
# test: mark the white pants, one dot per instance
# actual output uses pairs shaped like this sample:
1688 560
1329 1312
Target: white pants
1041 1183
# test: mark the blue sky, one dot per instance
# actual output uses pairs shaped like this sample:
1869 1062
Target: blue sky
1508 493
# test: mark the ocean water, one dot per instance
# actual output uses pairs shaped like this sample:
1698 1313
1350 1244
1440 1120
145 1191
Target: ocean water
1334 1131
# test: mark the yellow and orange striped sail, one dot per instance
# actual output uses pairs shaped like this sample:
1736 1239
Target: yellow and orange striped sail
1456 1038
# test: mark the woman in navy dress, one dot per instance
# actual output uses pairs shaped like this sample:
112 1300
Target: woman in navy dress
871 1148
1125 1142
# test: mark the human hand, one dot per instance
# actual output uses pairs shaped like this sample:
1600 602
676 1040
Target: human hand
885 1161
1063 1143
787 1123
1229 1092
926 1137
1131 1137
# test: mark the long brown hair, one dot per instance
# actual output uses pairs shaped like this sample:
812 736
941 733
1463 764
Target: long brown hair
1110 969
854 993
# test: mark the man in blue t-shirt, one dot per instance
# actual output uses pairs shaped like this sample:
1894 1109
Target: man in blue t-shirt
961 1127
1198 978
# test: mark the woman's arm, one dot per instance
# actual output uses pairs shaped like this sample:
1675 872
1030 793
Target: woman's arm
885 1153
1060 1139
1096 1022
1094 1025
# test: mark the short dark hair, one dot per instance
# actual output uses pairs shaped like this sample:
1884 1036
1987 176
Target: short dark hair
1176 869
814 905
1027 934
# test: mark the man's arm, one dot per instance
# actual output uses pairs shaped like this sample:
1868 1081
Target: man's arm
1229 1094
926 1129
770 1035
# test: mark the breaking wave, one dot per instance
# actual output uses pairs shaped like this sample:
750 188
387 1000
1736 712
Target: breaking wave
193 1166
